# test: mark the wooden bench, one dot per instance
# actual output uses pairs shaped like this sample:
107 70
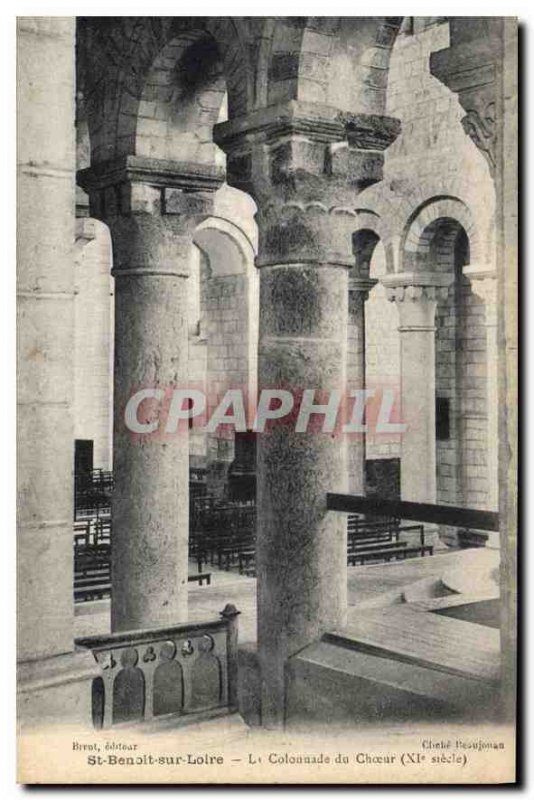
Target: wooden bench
380 540
379 549
96 584
200 578
400 552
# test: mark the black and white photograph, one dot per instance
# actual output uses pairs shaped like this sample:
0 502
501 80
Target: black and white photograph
267 399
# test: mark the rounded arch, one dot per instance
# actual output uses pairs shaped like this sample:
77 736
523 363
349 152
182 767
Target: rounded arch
441 217
364 242
227 248
181 99
304 58
371 231
117 55
227 303
399 200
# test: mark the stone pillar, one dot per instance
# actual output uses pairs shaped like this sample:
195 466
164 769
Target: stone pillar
304 170
484 284
152 209
416 296
52 677
359 289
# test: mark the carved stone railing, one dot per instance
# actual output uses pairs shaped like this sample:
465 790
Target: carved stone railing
149 675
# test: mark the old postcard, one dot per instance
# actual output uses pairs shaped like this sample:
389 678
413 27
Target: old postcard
267 399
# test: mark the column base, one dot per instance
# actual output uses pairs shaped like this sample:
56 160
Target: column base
258 703
249 685
56 690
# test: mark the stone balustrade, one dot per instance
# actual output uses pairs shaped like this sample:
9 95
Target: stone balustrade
147 675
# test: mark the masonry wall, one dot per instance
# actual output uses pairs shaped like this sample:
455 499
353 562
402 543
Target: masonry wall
225 300
432 146
432 157
473 431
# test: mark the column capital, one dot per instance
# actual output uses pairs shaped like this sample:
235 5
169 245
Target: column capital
305 149
359 288
469 68
417 295
139 185
415 286
483 278
152 207
304 163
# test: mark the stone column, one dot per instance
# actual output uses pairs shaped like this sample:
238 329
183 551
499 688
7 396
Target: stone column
484 284
152 209
359 289
304 170
416 296
52 677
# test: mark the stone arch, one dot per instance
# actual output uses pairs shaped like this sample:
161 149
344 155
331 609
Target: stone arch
226 246
442 217
118 54
225 349
369 237
364 242
398 202
307 56
233 39
181 99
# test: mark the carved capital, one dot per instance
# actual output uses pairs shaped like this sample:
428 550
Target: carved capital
479 124
413 286
152 208
304 164
138 185
416 296
359 288
305 233
290 149
469 68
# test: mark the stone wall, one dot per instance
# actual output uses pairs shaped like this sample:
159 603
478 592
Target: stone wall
432 144
432 158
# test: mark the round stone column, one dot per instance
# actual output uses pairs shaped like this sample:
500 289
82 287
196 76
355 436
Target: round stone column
304 166
301 548
152 220
151 472
416 296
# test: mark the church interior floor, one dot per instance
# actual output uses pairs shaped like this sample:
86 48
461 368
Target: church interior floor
369 585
